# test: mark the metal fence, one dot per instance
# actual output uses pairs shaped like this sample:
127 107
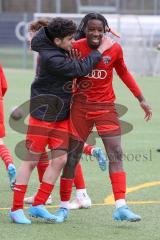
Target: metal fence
119 6
140 36
81 6
13 49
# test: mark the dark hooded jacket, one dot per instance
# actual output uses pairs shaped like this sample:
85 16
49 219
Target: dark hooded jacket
51 90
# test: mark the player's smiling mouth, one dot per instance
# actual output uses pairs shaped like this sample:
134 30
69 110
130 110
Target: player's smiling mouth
95 40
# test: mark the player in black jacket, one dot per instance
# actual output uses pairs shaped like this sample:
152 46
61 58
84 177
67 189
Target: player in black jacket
49 110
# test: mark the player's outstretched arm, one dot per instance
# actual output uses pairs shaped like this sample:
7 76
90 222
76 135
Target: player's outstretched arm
130 82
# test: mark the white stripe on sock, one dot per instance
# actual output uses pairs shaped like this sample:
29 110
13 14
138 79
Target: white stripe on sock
120 202
64 204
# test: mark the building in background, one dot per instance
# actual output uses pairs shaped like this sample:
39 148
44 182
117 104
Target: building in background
137 22
75 6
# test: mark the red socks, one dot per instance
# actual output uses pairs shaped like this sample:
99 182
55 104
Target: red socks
18 198
65 189
88 149
42 165
79 179
43 193
118 181
5 155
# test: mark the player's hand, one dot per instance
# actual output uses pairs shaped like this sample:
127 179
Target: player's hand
106 44
75 54
147 109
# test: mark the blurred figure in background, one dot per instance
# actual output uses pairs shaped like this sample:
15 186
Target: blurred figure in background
158 46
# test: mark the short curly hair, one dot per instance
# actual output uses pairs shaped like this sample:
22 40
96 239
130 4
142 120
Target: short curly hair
61 27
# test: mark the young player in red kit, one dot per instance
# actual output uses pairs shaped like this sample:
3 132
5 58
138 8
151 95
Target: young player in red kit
82 200
4 152
93 104
49 123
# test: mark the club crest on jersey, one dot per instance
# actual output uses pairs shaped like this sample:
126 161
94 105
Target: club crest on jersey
106 59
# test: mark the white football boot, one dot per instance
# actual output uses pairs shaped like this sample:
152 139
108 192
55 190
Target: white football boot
83 202
30 200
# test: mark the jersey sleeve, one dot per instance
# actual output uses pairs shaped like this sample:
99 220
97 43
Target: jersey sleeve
75 45
124 74
64 66
3 82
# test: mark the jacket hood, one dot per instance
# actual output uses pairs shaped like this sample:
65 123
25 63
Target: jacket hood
41 41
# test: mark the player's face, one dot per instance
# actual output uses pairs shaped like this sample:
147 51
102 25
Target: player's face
94 33
66 43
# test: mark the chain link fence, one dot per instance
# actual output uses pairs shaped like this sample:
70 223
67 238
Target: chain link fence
140 36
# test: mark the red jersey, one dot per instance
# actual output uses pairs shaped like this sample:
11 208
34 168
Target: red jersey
3 88
3 83
97 85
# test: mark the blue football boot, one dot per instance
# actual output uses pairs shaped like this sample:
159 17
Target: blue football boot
97 152
40 211
125 214
12 175
61 214
19 217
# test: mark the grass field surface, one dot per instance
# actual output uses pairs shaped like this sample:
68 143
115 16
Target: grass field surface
142 164
16 57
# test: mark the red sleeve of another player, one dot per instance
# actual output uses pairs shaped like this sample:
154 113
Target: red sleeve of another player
3 81
125 75
77 45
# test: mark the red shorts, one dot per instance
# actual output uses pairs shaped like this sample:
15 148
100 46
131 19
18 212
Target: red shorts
2 127
52 134
84 116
